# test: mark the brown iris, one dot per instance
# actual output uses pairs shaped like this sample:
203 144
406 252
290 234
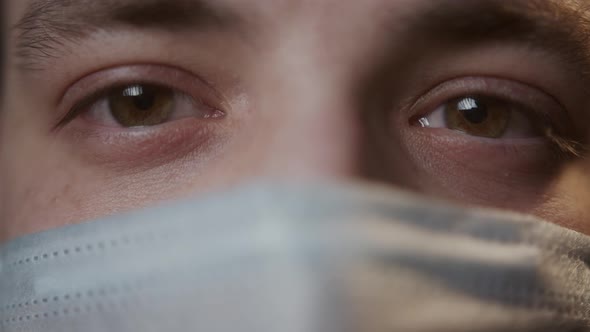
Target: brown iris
141 105
479 116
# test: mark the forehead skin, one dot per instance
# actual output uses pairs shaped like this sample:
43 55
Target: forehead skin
304 58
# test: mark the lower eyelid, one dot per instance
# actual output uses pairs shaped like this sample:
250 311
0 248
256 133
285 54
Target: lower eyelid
509 153
139 148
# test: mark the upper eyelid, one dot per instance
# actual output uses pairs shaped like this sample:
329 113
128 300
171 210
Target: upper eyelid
438 86
130 71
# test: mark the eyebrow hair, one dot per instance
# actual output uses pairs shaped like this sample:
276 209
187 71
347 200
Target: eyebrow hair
48 27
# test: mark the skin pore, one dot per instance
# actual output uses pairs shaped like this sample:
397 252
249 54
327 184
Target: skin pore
120 104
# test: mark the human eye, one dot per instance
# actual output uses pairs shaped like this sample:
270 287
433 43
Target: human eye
139 96
139 112
484 116
144 105
491 109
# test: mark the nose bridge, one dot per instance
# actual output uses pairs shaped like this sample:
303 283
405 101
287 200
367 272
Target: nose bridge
311 114
313 137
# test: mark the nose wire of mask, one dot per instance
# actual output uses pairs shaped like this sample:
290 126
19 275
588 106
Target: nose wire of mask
270 258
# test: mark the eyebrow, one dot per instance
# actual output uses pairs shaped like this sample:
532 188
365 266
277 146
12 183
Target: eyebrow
50 27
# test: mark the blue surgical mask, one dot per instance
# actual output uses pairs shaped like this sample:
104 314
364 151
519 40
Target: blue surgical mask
299 259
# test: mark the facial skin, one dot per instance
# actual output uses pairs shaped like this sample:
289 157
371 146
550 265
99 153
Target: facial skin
295 91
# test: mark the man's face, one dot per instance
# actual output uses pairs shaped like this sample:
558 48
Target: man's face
118 104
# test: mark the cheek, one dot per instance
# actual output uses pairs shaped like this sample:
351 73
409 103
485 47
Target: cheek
530 179
36 193
42 187
60 190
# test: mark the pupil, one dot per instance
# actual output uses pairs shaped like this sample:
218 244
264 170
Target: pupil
473 110
145 101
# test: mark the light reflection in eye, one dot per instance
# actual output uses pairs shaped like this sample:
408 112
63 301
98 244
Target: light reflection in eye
424 122
133 91
467 104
